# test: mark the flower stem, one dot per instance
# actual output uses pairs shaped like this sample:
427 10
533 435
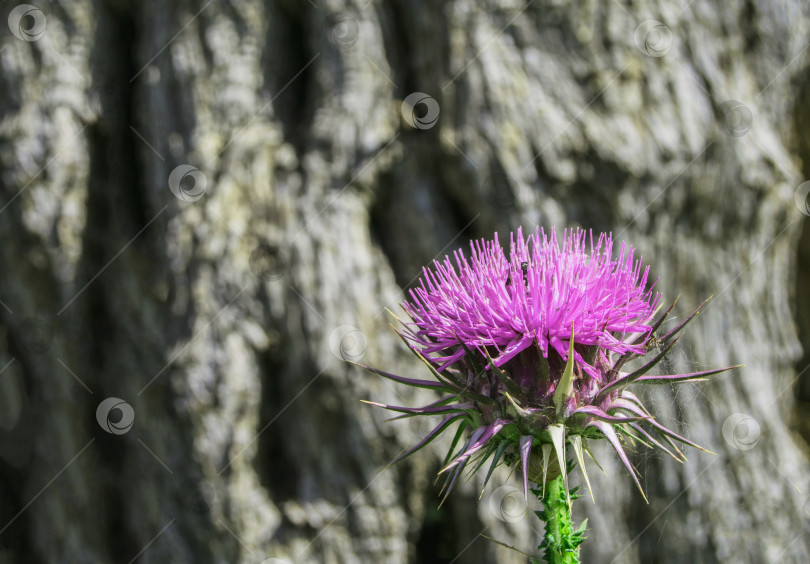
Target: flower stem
561 542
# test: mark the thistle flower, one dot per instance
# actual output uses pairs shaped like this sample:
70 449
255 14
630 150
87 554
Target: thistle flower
528 350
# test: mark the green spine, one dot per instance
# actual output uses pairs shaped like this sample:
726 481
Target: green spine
561 543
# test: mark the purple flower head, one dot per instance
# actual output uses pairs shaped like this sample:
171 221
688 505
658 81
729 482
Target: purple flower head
532 297
528 351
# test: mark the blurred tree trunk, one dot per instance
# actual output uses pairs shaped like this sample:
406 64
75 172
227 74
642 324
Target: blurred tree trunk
219 309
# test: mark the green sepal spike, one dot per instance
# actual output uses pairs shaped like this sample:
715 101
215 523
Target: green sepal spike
565 388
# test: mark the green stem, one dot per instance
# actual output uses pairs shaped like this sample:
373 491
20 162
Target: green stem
562 541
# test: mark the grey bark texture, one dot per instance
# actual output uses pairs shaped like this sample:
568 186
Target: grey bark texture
219 309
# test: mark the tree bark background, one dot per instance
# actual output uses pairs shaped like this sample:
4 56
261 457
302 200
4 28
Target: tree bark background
219 310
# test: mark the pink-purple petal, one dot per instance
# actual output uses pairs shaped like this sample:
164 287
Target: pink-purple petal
597 413
476 299
610 434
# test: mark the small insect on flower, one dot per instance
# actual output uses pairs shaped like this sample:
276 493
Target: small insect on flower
653 343
528 373
523 267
